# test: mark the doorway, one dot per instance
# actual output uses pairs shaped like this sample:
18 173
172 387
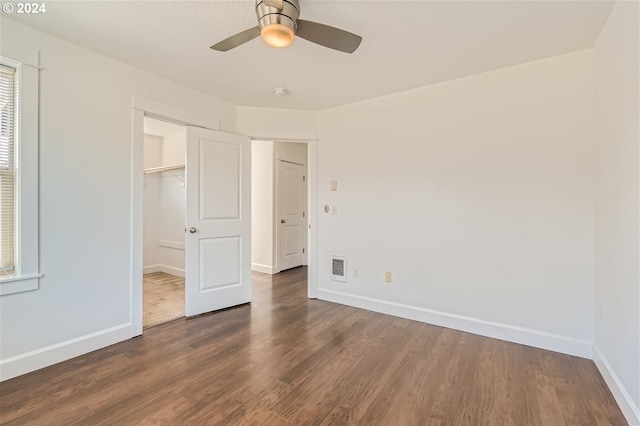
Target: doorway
163 222
144 107
280 220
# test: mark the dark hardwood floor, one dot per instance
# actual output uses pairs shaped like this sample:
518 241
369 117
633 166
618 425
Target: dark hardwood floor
289 360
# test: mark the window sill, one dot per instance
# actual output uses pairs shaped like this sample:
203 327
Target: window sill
12 285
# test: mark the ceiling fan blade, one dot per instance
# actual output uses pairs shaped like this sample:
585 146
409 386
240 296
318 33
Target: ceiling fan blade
331 37
274 3
237 40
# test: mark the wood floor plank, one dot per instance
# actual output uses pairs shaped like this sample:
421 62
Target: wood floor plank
367 378
285 359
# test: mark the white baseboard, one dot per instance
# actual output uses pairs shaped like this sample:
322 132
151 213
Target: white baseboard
151 269
265 269
510 333
630 410
173 271
163 268
178 245
44 357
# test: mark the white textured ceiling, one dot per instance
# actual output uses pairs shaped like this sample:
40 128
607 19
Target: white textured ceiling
406 44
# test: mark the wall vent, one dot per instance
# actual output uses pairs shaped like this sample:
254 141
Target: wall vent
339 268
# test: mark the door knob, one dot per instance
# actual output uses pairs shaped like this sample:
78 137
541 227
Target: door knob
192 230
283 221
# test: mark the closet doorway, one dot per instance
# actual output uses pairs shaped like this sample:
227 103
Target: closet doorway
164 209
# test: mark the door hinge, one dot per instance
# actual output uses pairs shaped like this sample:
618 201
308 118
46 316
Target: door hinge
302 251
304 178
303 214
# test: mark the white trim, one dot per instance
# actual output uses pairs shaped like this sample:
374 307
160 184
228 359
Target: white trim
265 269
312 215
171 270
44 357
175 115
622 397
19 278
19 284
137 200
151 269
171 244
509 333
635 407
302 139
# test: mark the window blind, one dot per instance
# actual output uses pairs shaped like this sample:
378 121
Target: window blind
7 168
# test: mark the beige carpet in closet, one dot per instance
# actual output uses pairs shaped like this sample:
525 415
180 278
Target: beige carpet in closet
163 298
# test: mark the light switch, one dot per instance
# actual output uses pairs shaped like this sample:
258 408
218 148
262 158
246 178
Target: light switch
334 210
334 185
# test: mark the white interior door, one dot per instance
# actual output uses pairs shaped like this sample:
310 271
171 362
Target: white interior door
290 220
218 221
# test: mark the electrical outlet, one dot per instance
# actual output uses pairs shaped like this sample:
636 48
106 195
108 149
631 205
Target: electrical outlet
387 277
356 272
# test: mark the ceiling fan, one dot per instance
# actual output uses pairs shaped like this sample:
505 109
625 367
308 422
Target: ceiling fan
278 24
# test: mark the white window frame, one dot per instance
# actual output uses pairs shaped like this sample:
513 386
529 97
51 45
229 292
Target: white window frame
7 171
27 274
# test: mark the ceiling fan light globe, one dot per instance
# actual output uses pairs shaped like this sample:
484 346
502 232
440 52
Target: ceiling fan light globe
277 35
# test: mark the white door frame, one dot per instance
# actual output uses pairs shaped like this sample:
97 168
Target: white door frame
312 207
142 107
146 107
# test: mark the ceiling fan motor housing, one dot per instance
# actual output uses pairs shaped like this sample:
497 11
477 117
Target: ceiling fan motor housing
287 16
278 25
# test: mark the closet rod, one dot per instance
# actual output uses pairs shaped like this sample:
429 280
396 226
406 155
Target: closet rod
163 169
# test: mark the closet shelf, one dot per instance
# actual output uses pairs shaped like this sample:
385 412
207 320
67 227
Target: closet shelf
163 168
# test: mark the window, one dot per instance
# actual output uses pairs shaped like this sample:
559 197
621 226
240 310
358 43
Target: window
8 108
18 169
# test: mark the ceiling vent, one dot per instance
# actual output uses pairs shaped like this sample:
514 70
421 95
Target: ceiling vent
339 268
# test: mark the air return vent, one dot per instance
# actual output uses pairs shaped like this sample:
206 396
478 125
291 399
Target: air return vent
339 268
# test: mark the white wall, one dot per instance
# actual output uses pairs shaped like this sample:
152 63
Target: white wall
172 222
262 207
477 194
164 205
85 201
174 148
152 151
617 311
272 123
151 204
292 152
173 205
